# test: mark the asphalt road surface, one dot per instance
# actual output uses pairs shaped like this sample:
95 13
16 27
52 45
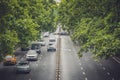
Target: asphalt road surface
43 69
85 68
71 67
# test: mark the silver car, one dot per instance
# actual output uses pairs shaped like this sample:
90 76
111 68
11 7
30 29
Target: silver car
23 67
51 48
42 43
31 55
52 41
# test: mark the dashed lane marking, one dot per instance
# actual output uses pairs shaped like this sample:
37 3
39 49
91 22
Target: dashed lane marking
103 68
86 78
83 73
113 79
108 73
81 68
79 63
100 64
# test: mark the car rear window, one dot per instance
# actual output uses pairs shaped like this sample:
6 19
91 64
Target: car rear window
35 46
23 63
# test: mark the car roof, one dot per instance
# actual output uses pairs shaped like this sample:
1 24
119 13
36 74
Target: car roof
31 52
9 56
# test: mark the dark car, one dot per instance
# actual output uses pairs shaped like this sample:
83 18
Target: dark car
64 33
23 67
36 46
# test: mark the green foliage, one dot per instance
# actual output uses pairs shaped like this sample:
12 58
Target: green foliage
23 21
94 24
8 41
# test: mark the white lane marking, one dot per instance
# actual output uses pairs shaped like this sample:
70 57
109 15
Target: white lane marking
79 63
103 68
113 79
29 79
100 64
41 55
81 68
86 78
116 60
86 59
108 73
83 73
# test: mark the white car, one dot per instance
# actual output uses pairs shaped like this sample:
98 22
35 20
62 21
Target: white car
42 43
52 41
51 48
32 55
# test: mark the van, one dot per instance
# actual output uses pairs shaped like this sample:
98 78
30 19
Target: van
36 46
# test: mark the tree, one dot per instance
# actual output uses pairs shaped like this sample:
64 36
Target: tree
22 22
94 24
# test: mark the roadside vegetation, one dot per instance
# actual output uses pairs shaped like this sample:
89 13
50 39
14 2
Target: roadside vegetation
93 24
22 21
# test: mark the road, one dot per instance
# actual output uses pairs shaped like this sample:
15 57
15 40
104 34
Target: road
43 69
71 67
85 68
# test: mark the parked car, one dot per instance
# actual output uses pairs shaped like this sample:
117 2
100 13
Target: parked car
31 55
36 46
10 60
51 48
23 67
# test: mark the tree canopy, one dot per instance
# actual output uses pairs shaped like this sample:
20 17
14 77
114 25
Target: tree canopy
95 24
22 21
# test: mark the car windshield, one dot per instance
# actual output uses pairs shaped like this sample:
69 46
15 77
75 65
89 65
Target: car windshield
23 63
52 40
35 46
